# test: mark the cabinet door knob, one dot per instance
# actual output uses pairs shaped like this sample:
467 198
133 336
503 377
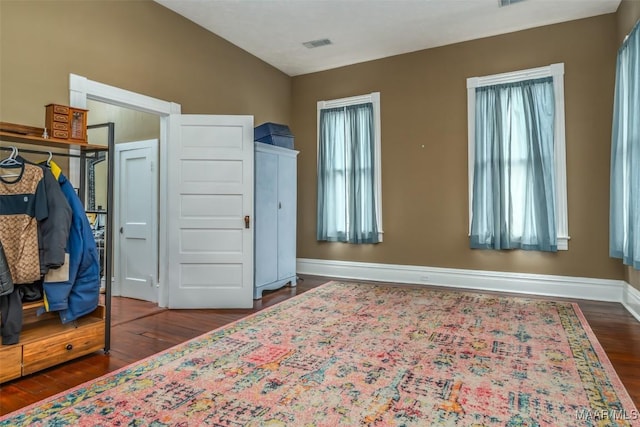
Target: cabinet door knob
69 347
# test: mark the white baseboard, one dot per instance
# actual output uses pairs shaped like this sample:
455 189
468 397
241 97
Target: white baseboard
533 284
631 301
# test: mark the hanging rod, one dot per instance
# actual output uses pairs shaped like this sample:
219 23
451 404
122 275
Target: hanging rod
100 125
88 154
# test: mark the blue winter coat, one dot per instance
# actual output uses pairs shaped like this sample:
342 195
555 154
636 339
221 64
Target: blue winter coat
80 294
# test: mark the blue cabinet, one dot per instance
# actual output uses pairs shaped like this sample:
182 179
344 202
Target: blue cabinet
275 217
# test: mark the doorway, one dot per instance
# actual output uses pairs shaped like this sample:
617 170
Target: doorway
189 145
83 92
134 212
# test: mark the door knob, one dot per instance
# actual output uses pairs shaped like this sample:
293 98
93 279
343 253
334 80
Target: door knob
121 230
246 221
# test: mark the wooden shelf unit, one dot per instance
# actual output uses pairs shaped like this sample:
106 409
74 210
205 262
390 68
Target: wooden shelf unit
44 340
47 142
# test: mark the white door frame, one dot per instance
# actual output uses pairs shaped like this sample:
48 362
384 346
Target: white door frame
81 89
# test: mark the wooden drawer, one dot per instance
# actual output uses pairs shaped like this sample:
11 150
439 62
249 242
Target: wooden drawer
62 134
60 118
62 347
11 365
59 109
60 126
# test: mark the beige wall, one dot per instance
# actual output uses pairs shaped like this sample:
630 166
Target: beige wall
628 14
129 126
423 101
135 45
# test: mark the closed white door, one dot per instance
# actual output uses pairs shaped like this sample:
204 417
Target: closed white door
136 181
210 211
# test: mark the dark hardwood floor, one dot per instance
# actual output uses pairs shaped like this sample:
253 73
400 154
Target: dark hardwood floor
140 329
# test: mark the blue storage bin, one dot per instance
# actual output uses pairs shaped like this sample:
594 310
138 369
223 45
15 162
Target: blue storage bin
274 134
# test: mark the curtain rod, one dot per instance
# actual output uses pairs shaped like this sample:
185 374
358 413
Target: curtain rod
635 26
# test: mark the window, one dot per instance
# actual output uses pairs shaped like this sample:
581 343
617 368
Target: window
349 174
517 166
624 218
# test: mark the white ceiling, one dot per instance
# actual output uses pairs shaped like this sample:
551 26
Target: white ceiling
363 30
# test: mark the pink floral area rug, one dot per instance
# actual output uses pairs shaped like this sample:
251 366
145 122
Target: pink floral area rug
347 354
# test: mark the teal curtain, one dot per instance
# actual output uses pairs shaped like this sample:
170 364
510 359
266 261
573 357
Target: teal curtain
513 201
624 218
346 175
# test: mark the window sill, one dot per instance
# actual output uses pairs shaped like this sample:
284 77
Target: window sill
563 243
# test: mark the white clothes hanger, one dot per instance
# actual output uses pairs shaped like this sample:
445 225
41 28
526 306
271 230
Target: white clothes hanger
10 162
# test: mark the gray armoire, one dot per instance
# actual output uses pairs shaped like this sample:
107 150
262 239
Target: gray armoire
275 217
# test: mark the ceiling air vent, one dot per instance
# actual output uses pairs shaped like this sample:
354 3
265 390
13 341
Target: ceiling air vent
318 43
503 3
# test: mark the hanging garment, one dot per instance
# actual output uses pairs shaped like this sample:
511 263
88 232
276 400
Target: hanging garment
53 231
10 305
23 202
30 292
11 317
78 294
6 282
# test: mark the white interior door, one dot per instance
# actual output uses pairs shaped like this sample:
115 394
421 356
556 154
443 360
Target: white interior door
210 199
136 221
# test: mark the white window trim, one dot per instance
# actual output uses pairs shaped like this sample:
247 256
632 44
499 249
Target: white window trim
374 98
557 72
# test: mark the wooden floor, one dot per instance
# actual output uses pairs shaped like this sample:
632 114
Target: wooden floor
140 329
